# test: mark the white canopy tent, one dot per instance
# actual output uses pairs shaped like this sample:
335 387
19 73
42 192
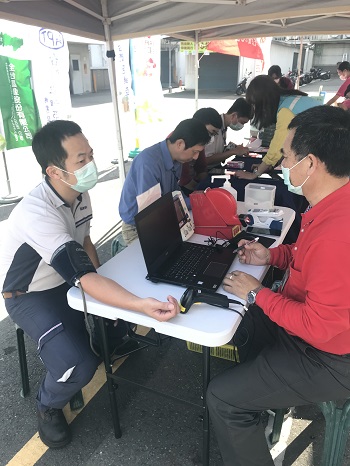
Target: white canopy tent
181 18
195 20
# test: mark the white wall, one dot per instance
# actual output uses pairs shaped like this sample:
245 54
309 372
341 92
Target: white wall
83 51
189 77
181 61
98 57
330 54
282 55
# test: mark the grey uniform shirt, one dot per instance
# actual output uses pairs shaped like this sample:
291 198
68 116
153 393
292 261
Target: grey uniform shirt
39 224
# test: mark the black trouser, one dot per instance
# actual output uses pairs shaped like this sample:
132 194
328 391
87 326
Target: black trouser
279 371
62 340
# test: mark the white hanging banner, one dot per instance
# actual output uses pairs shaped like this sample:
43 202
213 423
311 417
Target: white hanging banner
125 93
34 85
149 99
262 66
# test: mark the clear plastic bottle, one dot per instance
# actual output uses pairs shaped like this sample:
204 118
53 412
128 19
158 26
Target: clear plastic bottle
227 184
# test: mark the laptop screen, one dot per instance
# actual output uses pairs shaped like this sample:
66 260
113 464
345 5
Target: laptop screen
158 229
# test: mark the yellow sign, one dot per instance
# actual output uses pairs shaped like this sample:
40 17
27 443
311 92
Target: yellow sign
188 46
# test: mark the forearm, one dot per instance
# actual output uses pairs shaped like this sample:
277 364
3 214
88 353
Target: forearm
219 157
262 168
109 292
332 100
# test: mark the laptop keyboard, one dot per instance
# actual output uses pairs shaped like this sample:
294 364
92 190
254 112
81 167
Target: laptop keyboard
187 266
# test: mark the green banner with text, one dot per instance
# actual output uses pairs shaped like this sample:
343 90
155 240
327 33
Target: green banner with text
19 109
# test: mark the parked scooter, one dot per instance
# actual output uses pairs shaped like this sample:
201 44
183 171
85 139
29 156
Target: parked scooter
318 73
325 75
242 85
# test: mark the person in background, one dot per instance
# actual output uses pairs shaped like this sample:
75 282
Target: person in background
343 70
157 170
272 104
345 105
194 172
235 118
47 249
296 341
275 73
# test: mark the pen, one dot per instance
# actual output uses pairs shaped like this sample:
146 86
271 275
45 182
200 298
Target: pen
244 245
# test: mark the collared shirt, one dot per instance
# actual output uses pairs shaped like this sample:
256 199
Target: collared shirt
218 144
152 166
39 224
314 303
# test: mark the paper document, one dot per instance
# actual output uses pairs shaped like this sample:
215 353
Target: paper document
148 197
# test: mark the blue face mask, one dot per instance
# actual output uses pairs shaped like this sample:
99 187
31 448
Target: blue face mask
286 178
86 176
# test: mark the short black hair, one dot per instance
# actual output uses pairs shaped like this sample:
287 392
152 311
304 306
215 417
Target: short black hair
275 69
47 143
324 131
242 108
209 116
192 131
344 65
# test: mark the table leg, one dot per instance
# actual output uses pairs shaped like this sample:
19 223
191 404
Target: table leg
110 383
206 379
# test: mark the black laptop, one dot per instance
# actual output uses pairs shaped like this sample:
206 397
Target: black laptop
171 260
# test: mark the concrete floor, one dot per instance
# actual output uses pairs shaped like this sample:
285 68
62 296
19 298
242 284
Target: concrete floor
156 431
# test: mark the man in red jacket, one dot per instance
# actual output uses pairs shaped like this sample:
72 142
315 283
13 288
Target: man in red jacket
296 347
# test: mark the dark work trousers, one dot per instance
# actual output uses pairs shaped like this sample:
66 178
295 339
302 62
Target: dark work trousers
62 340
278 371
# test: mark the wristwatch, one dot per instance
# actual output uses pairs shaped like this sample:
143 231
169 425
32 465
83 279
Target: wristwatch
251 296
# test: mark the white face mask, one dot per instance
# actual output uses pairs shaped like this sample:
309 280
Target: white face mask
236 127
86 176
286 178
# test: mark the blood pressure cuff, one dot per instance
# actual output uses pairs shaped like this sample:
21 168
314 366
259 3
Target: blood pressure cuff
71 261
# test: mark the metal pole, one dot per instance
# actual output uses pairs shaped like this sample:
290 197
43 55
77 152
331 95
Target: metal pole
196 67
113 84
299 62
10 198
169 55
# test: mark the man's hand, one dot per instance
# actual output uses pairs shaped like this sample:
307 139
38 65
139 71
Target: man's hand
253 253
161 311
240 283
240 150
241 174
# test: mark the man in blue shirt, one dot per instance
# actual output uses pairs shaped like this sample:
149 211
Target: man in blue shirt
157 170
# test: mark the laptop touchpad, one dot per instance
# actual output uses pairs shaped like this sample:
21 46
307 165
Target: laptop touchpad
215 269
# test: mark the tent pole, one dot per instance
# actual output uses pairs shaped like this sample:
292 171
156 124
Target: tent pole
196 67
299 61
169 63
113 85
10 198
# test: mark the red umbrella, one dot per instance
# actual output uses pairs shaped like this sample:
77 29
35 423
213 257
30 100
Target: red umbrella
248 48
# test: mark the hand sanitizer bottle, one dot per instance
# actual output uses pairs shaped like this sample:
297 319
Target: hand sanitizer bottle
227 184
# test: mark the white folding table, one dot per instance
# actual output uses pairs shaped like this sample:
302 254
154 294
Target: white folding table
203 324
